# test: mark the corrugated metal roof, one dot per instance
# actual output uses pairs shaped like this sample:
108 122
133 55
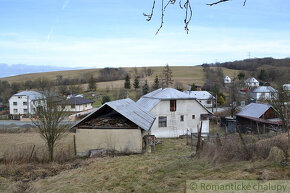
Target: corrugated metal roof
264 89
77 101
202 95
254 110
129 109
33 95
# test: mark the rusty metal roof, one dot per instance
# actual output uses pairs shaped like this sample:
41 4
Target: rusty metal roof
129 109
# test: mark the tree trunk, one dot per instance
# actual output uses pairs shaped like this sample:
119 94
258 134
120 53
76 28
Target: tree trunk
51 152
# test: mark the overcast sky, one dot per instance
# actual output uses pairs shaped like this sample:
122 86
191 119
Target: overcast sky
114 33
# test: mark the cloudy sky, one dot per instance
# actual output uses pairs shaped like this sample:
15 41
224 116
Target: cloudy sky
114 33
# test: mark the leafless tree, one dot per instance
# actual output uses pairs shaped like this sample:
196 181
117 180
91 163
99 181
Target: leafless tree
183 4
49 120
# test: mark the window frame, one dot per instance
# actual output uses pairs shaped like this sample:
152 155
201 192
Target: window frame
162 123
172 105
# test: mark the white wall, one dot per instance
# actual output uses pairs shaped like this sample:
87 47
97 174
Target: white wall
204 102
22 108
78 108
183 107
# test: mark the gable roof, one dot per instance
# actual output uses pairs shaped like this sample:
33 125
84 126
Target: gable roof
254 110
201 95
249 80
150 100
33 95
129 109
77 101
264 89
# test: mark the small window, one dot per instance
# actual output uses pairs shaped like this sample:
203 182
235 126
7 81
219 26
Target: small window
208 102
24 103
15 103
181 118
193 116
73 106
19 97
25 110
172 105
162 121
15 111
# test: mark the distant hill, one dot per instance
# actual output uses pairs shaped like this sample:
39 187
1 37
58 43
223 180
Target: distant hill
253 64
17 69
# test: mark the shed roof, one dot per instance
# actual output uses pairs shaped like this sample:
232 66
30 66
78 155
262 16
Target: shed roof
129 109
254 110
33 95
201 95
264 89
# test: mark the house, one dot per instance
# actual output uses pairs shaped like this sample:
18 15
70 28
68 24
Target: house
204 97
77 104
24 103
263 93
286 87
118 125
227 80
251 82
257 118
176 113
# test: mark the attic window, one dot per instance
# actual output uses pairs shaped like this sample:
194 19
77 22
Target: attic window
172 105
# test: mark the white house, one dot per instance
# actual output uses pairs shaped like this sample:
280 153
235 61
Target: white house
227 80
263 92
251 82
286 87
176 113
204 97
77 104
24 103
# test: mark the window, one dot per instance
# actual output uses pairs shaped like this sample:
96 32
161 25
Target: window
208 102
15 111
203 117
19 97
172 105
24 103
193 116
15 103
73 106
162 121
25 110
181 118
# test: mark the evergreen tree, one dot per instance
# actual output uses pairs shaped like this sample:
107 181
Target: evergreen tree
106 99
193 87
136 83
127 83
145 88
92 84
241 75
156 83
167 76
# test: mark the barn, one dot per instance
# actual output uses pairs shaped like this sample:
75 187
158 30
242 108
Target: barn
118 125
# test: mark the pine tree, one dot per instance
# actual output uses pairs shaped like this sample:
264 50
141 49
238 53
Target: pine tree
127 83
193 87
92 84
156 83
167 76
145 88
136 83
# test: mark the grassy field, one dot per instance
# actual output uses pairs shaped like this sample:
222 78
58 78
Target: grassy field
185 74
165 170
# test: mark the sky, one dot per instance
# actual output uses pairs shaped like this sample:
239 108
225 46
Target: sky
114 33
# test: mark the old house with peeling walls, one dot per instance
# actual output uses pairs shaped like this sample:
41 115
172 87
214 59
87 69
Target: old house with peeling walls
176 113
118 125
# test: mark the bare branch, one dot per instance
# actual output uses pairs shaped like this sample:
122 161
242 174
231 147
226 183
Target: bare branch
149 16
217 2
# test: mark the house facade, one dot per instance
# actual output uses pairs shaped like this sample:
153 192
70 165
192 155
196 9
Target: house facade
252 82
263 93
227 80
176 113
77 104
25 102
118 125
204 97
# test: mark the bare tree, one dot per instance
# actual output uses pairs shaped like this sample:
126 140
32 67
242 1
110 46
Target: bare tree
48 119
183 4
167 76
